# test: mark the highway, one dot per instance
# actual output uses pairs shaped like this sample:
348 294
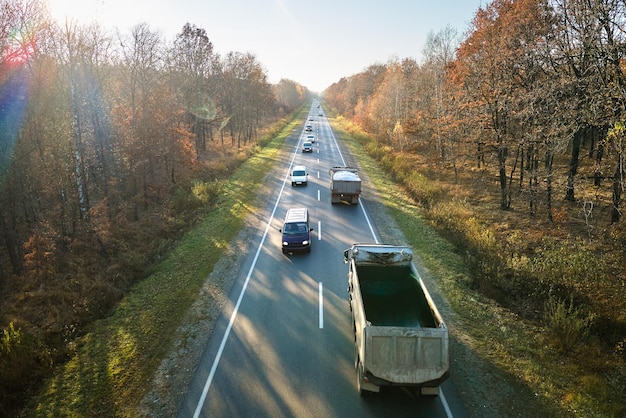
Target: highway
285 347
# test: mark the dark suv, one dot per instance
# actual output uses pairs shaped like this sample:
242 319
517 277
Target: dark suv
296 231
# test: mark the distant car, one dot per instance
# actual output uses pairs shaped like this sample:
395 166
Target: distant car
308 128
299 176
310 138
307 147
310 117
320 114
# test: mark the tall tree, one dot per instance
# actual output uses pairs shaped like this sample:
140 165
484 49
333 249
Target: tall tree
439 52
482 69
192 58
248 94
85 53
587 53
290 94
22 25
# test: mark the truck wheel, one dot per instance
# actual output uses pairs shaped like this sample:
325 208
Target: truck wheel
359 380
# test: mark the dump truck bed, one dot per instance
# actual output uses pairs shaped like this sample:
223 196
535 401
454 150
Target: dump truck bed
392 296
400 336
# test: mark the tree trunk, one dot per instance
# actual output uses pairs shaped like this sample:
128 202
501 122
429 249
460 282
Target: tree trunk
618 184
549 162
505 201
480 155
573 164
12 246
78 160
521 171
597 173
533 183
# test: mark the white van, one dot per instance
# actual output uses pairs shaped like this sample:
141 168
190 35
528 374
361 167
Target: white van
299 176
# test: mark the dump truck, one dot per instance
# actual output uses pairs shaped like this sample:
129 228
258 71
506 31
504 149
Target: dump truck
400 338
345 185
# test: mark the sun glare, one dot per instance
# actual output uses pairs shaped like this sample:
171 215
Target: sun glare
120 14
83 11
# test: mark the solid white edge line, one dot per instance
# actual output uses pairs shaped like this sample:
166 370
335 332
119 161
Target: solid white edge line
367 219
220 351
321 305
446 407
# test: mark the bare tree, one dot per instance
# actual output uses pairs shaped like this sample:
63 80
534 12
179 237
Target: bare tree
249 94
439 52
194 62
22 23
587 54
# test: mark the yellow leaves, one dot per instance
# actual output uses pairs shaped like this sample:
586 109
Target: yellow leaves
617 131
40 251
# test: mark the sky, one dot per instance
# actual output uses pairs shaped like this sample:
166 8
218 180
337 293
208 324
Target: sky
314 43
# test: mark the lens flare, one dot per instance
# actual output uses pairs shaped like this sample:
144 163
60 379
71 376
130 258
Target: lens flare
13 90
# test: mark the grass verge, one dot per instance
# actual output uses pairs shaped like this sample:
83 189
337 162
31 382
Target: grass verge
113 363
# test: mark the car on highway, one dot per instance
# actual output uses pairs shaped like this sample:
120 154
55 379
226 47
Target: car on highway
296 231
310 138
299 176
307 147
308 128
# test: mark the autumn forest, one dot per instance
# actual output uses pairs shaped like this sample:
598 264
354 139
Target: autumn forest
110 144
510 137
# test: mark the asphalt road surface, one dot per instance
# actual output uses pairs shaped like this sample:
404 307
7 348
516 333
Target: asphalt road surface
285 348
